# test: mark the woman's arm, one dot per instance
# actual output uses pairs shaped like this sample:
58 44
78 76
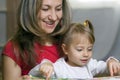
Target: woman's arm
11 71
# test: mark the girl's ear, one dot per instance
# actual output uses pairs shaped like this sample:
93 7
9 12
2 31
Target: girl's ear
64 49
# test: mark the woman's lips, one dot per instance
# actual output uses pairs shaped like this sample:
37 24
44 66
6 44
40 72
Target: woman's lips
50 24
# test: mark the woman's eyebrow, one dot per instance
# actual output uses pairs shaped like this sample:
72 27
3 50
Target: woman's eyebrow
59 5
49 5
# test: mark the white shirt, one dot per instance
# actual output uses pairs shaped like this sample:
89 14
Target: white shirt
64 70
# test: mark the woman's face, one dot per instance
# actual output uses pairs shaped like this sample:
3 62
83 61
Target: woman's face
50 15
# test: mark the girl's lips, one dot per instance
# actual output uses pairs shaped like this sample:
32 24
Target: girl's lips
84 60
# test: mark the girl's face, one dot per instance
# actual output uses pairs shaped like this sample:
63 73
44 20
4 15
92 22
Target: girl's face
50 15
79 51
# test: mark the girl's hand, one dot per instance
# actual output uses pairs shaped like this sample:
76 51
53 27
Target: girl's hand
114 66
46 69
26 77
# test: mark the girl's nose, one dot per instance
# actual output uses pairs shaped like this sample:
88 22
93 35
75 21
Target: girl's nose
85 53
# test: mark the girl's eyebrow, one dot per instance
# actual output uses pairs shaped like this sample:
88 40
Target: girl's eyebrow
91 46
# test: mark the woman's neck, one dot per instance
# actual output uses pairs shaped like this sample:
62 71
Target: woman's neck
48 44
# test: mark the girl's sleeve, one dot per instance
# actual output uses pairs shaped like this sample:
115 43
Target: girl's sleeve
97 67
35 70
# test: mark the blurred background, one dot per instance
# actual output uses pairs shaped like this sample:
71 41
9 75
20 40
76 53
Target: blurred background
104 14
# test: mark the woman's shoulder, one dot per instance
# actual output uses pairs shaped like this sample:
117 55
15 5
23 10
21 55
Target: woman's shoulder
8 47
9 51
8 44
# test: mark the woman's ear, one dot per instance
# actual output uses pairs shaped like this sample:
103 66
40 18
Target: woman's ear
64 48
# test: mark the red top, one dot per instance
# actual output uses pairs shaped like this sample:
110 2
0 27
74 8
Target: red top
43 52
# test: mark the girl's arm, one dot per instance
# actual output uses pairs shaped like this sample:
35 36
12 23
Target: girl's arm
47 69
113 66
110 67
44 69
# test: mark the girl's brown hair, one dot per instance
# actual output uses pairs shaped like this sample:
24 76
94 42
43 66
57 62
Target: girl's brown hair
78 28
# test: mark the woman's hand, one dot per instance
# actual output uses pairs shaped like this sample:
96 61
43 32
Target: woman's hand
46 69
114 66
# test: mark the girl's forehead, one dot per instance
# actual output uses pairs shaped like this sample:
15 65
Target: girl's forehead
80 39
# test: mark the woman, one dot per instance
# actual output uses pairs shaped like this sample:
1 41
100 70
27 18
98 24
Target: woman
41 23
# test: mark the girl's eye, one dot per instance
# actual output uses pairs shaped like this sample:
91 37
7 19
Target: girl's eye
89 49
79 49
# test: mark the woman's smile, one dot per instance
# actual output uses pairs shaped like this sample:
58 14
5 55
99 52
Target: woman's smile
50 24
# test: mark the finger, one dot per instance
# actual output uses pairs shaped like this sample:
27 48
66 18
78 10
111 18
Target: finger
26 77
46 72
43 70
117 69
110 70
47 78
114 70
49 73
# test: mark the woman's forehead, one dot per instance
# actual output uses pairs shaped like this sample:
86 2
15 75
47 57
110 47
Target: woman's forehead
52 2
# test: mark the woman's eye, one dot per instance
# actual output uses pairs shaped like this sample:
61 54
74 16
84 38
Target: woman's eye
45 9
59 9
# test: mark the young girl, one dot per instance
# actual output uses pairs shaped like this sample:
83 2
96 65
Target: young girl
77 45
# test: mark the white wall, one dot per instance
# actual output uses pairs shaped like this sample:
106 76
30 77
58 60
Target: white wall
2 22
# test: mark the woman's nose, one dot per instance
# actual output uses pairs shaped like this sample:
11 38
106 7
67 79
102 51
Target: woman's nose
53 15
